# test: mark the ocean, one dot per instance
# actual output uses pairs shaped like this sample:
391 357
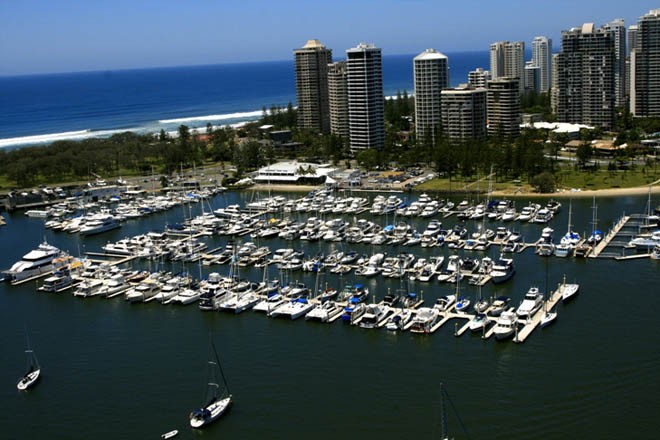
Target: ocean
38 109
117 370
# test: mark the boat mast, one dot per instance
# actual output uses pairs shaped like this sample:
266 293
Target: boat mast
222 373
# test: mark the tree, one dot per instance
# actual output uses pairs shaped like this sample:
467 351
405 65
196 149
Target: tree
583 153
368 158
544 182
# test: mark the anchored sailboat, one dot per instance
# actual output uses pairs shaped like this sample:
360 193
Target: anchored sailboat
218 397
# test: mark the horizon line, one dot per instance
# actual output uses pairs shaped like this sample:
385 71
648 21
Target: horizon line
162 67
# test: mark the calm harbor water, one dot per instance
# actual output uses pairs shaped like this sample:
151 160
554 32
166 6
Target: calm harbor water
115 370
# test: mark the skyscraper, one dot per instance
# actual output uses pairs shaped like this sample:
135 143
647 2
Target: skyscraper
338 97
585 69
617 29
504 107
464 113
542 58
554 87
508 60
632 38
645 63
431 71
312 86
365 97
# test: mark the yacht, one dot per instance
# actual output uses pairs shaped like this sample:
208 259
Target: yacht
400 320
326 312
59 281
144 291
114 285
503 270
646 242
506 325
425 320
89 287
34 263
99 224
568 291
531 303
186 296
373 315
353 312
499 305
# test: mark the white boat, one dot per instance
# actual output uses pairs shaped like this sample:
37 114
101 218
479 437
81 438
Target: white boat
272 302
548 318
478 323
33 372
444 303
425 320
35 262
531 303
293 309
218 399
186 296
326 312
568 291
144 291
505 326
400 320
646 242
503 270
60 280
99 224
373 315
170 434
114 285
89 287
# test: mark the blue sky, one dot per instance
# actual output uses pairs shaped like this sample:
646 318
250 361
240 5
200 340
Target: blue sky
40 36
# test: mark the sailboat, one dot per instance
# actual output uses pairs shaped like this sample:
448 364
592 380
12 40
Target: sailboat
218 397
570 239
33 372
549 315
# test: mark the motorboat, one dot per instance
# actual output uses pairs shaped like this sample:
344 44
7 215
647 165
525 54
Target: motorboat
499 305
60 280
531 303
503 269
326 312
144 291
272 302
478 323
425 320
506 325
400 320
444 303
373 315
99 224
646 242
352 312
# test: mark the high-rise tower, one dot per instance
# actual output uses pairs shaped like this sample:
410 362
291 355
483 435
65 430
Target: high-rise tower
617 29
508 60
338 97
365 97
312 86
585 69
645 67
431 71
542 58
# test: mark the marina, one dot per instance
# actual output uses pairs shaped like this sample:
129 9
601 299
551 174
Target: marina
326 348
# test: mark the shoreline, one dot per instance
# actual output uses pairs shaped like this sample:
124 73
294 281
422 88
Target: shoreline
611 192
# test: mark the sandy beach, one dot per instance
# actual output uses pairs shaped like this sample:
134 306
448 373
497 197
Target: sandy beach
612 192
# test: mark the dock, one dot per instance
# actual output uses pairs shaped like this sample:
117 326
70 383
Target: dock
609 237
533 322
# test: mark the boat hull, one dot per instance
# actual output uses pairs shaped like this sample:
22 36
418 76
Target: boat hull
29 380
215 411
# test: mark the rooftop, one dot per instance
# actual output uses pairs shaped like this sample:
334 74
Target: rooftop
430 54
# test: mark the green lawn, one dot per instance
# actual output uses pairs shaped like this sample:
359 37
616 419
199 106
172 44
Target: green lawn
603 179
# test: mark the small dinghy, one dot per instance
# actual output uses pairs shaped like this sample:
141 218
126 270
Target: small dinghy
170 434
